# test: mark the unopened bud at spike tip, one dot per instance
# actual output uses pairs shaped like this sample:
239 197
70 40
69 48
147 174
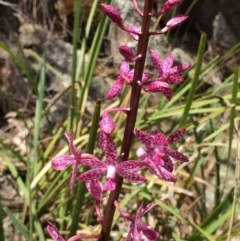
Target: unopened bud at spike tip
112 13
170 4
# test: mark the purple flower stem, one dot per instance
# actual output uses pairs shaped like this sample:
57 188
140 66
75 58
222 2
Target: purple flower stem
131 117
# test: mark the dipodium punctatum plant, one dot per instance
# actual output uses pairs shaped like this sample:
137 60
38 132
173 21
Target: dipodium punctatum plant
154 154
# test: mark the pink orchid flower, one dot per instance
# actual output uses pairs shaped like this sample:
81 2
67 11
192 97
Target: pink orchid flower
63 161
55 234
157 154
167 75
127 169
125 76
138 227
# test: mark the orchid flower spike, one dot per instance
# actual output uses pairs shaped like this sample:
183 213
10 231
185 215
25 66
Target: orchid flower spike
63 161
138 227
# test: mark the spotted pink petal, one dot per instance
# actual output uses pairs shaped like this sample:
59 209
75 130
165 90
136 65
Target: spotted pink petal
157 158
129 77
146 77
175 136
74 175
54 233
95 189
132 165
131 176
107 124
176 155
112 13
109 147
147 231
134 28
141 154
166 175
167 63
104 138
97 208
110 185
159 86
124 68
168 164
174 79
161 172
156 61
143 136
62 162
94 163
176 21
150 233
72 147
92 174
179 69
116 89
148 208
160 139
170 4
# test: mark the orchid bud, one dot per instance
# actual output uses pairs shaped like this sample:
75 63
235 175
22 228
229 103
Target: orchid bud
112 13
107 125
170 4
174 22
134 28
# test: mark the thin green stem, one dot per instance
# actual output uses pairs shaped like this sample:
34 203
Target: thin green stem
131 117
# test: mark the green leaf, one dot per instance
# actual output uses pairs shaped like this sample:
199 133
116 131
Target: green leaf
21 228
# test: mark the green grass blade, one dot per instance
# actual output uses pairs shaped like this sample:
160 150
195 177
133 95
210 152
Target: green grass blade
219 222
37 223
82 188
72 96
201 51
221 208
1 222
14 173
19 62
38 118
93 55
21 228
83 51
233 111
52 191
177 215
76 24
